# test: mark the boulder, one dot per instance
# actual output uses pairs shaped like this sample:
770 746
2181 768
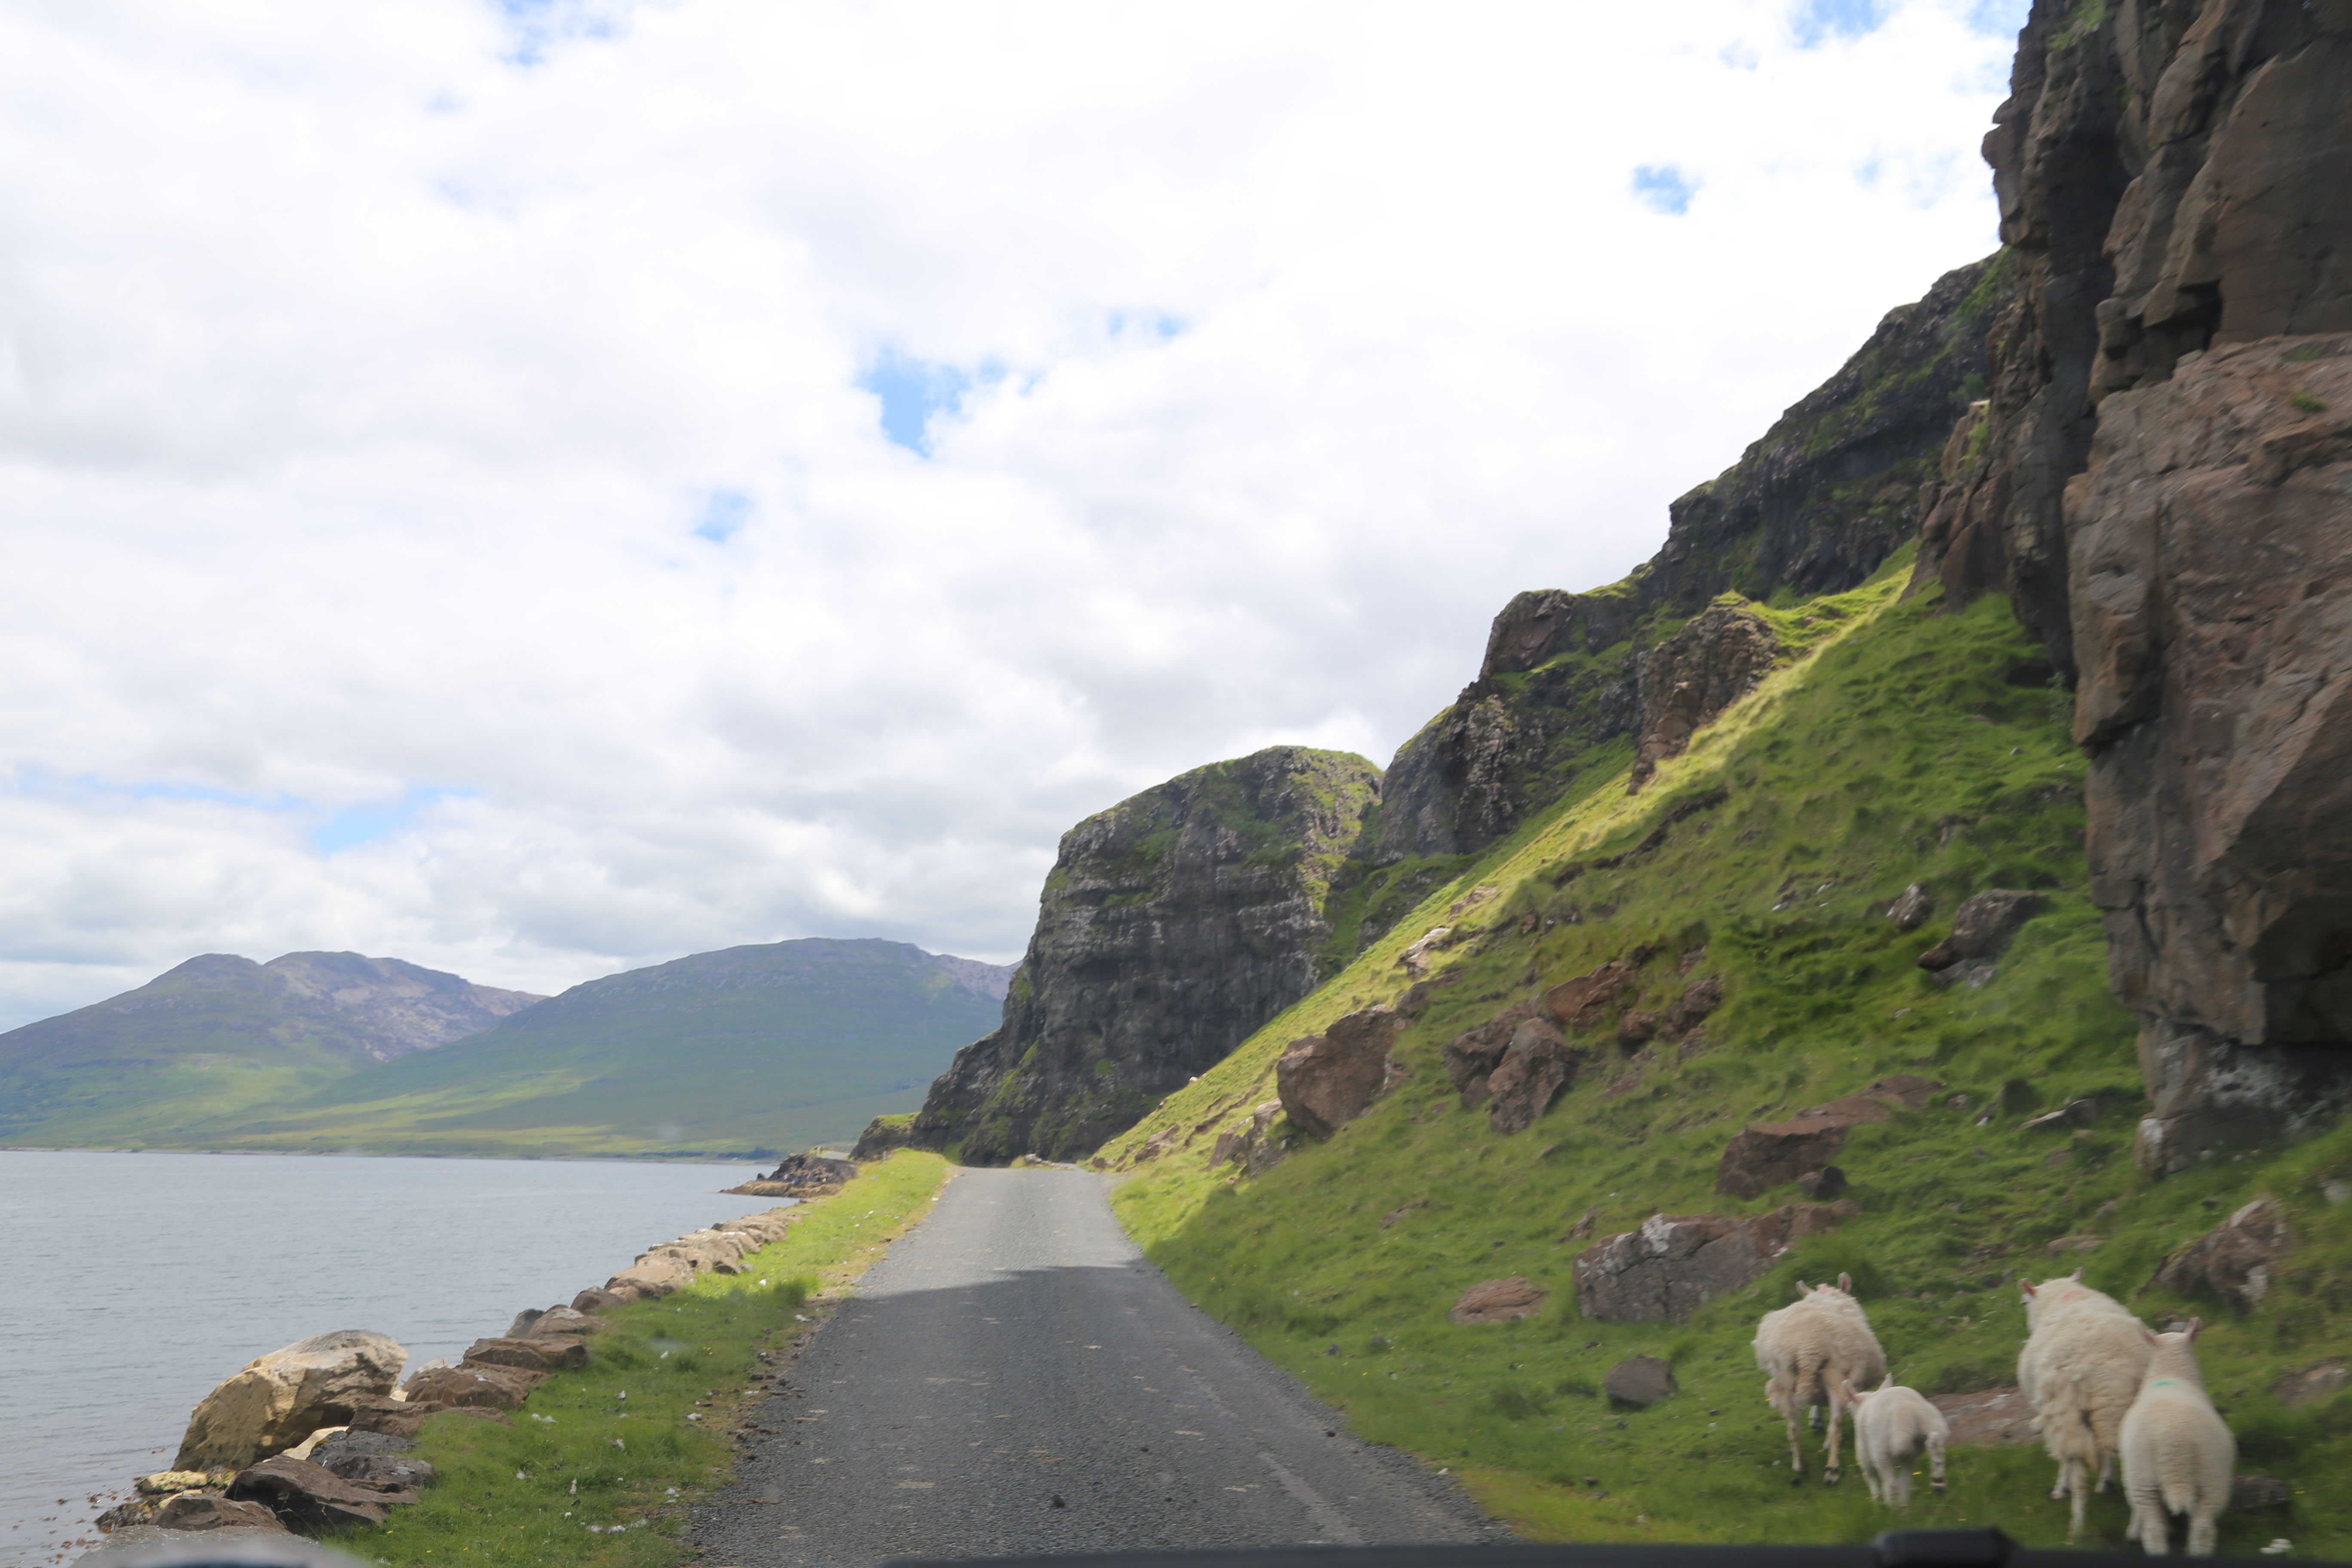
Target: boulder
2249 1492
404 1471
652 1276
1767 1154
1910 912
1823 1184
1327 1080
530 1356
1475 1052
1699 998
125 1516
1252 1145
2320 1380
1639 1380
210 1510
303 1449
404 1418
164 1483
594 1301
1637 1026
1691 677
1982 928
281 1398
1676 1263
1989 1418
561 1322
1498 1301
2236 1260
488 1387
310 1498
351 1444
1537 1066
1589 1002
1417 995
1416 957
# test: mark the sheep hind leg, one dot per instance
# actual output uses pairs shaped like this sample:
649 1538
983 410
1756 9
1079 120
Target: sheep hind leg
2200 1532
2150 1526
1796 1451
1830 1473
2078 1482
1936 1459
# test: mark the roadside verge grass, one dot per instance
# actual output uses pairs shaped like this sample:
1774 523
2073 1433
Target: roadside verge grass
598 1467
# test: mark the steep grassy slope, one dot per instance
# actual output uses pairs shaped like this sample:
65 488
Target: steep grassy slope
1908 746
219 1033
750 1051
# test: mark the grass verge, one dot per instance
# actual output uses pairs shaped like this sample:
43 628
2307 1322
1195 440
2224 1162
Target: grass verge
582 1475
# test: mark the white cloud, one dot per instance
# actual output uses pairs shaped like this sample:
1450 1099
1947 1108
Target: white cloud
452 424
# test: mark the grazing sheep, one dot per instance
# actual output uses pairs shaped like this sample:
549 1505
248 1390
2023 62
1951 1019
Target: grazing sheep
1891 1425
1811 1350
2178 1455
2081 1370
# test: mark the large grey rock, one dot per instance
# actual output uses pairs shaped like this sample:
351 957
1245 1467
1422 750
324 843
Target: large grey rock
1171 926
310 1498
1982 928
1675 1264
281 1398
1639 1380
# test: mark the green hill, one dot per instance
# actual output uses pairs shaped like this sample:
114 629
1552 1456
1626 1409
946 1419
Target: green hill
220 1032
1895 748
743 1052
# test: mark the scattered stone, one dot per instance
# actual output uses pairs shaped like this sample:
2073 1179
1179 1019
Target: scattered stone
2251 1491
1910 912
124 1515
2314 1383
1639 1380
489 1387
652 1276
1416 957
356 1444
1476 1053
1823 1184
1158 1143
310 1498
1417 995
1982 929
2234 1261
1583 1227
281 1398
1251 1146
1498 1301
1327 1080
1636 1027
1767 1154
1676 1263
527 1355
164 1483
1699 998
1536 1067
210 1510
401 1470
1988 1419
1586 1003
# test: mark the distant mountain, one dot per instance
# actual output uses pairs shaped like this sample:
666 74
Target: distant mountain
221 1031
758 1048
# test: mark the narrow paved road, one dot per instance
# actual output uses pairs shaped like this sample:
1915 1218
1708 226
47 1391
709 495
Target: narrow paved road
1013 1377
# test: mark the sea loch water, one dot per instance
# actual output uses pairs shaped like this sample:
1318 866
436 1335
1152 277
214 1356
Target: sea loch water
130 1284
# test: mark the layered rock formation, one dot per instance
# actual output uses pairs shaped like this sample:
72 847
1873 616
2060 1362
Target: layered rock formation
2173 180
1171 926
1827 495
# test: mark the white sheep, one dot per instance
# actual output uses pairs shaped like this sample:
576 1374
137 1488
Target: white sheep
1809 1352
1892 1426
2080 1370
2179 1456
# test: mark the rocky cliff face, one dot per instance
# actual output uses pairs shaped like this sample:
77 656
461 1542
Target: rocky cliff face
1171 926
1815 506
2176 184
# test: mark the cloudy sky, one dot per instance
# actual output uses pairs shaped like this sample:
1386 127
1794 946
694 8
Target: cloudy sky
541 488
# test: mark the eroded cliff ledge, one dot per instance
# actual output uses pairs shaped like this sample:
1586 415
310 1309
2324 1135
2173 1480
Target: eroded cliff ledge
1172 926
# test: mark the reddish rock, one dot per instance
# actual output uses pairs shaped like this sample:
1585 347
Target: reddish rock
1475 1052
1988 1419
1589 1002
2237 1260
1699 998
593 1300
1637 1027
209 1511
1498 1301
404 1418
1537 1068
1676 1263
550 1354
1417 995
1693 676
1768 1154
310 1498
1327 1080
485 1387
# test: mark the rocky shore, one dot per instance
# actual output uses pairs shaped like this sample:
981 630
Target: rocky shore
318 1435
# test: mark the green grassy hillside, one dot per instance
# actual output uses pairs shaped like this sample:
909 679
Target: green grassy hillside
1907 745
750 1051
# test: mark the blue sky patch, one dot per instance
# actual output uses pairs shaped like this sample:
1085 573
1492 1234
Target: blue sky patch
358 825
1148 324
1818 21
913 389
723 515
1664 188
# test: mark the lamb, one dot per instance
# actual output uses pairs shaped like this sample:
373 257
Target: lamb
2178 1455
2080 1368
1891 1425
1811 1350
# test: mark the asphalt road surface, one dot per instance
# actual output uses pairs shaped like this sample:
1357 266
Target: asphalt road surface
1013 1377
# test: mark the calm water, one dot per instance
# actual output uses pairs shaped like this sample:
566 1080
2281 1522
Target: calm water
130 1284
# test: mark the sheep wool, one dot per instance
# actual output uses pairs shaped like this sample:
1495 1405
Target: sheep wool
2081 1368
1892 1425
2177 1453
1811 1352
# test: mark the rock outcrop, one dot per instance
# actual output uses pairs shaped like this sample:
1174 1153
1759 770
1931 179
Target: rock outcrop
1675 1264
2236 1261
281 1398
1767 1154
1172 926
1325 1081
1828 493
1537 1068
1982 929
